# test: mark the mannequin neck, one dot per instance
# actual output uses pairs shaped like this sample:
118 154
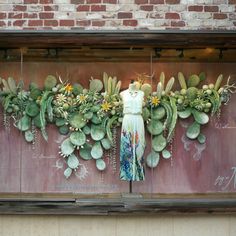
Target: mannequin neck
132 87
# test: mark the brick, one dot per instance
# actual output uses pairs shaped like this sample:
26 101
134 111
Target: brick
3 15
67 23
83 23
35 23
50 23
195 8
31 1
98 7
172 1
232 2
2 23
13 15
50 8
30 15
110 1
146 7
220 16
83 8
211 8
124 15
93 1
19 8
172 15
98 23
141 2
19 23
46 15
35 8
157 1
77 1
46 1
155 15
132 23
177 23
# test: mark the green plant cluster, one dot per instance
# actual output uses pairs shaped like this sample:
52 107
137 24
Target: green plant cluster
86 115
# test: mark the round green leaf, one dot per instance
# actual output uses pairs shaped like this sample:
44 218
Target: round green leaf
166 154
67 172
155 127
193 131
185 113
60 122
67 148
97 151
78 138
32 109
97 132
100 164
88 115
85 152
24 123
86 130
106 143
158 113
64 130
72 161
159 143
201 117
29 136
77 121
153 159
201 138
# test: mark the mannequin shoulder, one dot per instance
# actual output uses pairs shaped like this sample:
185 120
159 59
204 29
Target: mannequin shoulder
123 93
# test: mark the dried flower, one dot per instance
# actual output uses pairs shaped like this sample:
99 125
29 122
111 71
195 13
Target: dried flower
106 106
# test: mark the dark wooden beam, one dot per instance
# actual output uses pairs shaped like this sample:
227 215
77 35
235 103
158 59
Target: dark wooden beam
153 39
119 206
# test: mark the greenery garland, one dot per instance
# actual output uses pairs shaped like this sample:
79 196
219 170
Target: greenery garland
86 116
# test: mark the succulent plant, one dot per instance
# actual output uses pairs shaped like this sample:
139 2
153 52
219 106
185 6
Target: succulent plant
193 130
72 161
32 109
159 142
153 159
85 152
201 138
24 123
193 81
78 138
158 113
97 151
166 154
155 127
67 148
50 82
95 85
77 120
147 89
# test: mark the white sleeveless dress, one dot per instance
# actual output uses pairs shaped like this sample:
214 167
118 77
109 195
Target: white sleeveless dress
132 143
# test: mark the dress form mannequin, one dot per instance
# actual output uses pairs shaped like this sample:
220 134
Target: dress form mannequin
132 135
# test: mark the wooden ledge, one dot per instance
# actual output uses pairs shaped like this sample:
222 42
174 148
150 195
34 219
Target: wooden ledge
157 39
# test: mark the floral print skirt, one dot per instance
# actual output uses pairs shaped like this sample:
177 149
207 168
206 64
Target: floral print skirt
132 146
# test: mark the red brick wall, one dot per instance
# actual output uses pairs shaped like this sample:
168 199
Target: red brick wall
118 14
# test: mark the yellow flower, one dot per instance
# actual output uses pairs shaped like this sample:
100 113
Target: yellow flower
68 88
155 101
81 98
106 106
